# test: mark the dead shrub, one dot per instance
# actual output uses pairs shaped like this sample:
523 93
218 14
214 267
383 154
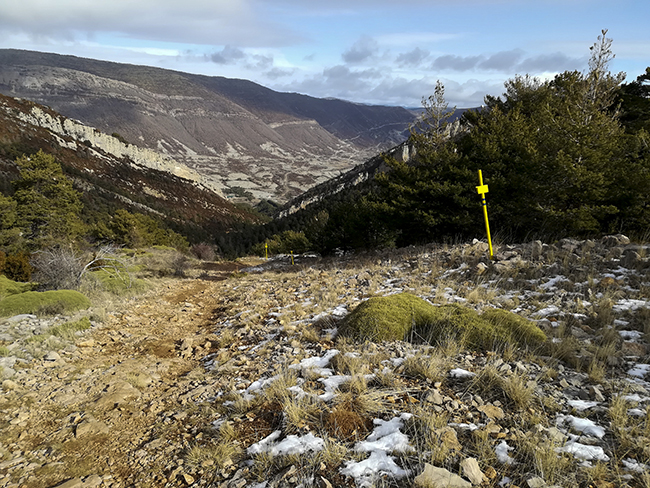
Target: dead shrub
203 251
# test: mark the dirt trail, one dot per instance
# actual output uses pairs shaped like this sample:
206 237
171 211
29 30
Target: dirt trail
121 412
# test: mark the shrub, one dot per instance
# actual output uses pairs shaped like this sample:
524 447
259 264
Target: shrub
38 302
3 259
17 267
407 317
283 244
9 287
203 251
57 268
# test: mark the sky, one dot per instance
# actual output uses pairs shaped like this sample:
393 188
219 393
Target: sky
385 52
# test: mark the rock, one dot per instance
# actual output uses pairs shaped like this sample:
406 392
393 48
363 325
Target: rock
119 393
20 318
9 385
491 473
433 477
92 481
434 397
536 482
615 240
596 393
449 438
480 268
189 479
90 427
73 483
52 356
492 412
471 470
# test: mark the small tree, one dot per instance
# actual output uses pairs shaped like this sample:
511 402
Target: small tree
48 206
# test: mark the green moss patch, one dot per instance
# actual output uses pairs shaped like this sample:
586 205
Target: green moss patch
388 318
514 328
9 287
407 317
56 301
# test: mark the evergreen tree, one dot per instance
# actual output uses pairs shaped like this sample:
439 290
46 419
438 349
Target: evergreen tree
48 206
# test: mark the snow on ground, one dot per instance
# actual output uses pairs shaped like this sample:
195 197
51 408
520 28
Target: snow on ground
461 373
385 438
639 370
584 452
585 426
502 450
292 444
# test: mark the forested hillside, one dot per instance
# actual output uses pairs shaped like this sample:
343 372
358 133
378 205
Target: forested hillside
569 156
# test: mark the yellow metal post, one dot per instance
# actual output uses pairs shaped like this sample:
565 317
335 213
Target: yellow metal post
482 190
291 258
266 250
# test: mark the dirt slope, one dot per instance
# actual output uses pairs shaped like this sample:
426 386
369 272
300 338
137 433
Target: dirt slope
103 412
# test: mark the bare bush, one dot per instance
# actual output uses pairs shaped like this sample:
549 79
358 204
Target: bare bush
61 268
203 251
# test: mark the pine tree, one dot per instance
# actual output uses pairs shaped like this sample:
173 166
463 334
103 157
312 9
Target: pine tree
48 206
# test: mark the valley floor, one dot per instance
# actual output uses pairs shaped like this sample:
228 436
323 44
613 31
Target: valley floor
235 379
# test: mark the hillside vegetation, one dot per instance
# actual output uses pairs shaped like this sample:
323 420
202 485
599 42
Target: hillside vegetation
566 157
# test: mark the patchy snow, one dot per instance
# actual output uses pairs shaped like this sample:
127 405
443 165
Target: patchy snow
544 312
332 384
365 472
581 405
639 370
502 453
292 444
630 335
585 426
629 304
317 364
461 373
550 284
634 465
584 452
385 438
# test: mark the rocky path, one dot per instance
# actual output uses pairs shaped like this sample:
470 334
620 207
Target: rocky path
158 394
117 410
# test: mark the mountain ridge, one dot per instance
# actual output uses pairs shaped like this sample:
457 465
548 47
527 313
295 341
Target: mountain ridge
235 133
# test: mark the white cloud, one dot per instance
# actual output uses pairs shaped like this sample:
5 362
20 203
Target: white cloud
214 22
361 50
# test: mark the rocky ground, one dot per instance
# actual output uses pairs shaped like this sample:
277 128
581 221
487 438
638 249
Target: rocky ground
242 382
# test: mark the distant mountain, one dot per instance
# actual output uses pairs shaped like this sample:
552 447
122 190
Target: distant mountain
241 137
112 174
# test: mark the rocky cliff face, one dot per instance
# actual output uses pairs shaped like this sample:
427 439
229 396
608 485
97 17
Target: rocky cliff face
138 178
237 135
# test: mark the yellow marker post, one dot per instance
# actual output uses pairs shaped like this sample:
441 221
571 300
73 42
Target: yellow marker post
291 258
266 250
482 190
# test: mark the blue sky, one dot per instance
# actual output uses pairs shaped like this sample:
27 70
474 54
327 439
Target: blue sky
366 51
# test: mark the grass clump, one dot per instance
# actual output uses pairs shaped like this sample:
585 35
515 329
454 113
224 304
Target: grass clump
68 330
407 317
46 302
